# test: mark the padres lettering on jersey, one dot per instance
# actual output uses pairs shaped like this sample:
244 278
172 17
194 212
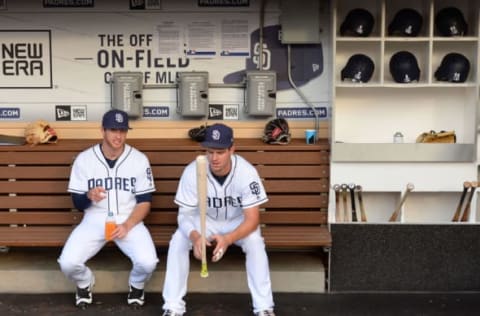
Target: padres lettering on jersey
113 183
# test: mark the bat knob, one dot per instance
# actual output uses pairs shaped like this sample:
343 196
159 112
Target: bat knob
204 271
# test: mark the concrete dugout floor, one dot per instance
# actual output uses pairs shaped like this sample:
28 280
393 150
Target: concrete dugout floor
424 304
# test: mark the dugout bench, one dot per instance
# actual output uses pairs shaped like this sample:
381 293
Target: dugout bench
36 210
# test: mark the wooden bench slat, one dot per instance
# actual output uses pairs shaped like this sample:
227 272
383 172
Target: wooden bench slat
298 172
41 217
34 172
33 187
300 186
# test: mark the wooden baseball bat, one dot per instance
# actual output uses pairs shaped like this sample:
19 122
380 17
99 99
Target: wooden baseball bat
351 187
458 211
363 214
338 213
346 217
201 164
466 212
398 209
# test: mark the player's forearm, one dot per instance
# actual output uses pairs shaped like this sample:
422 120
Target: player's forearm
138 214
185 221
249 224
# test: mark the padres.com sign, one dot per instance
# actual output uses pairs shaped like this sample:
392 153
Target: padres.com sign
25 59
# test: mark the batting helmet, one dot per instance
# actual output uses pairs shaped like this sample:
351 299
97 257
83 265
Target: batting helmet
450 22
276 132
359 68
453 68
404 67
406 22
358 22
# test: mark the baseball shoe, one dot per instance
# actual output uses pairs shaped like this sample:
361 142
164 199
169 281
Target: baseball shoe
136 297
169 312
265 313
83 297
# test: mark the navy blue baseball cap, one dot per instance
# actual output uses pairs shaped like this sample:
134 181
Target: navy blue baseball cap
218 136
115 119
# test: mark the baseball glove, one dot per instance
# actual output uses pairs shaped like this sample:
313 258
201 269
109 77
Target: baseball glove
40 132
437 137
198 133
276 132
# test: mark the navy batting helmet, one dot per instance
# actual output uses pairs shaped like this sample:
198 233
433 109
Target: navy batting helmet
406 22
358 22
359 68
450 22
404 67
453 68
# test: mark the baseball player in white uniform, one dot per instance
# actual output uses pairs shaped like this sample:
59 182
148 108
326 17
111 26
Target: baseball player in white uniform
235 192
110 176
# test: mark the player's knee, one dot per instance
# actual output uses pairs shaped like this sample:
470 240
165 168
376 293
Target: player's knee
179 242
253 242
68 266
147 265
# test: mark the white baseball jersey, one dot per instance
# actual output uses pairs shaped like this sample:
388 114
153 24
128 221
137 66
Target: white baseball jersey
242 189
131 176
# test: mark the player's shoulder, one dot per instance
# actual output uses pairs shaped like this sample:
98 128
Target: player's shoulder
136 153
190 168
242 162
243 166
88 152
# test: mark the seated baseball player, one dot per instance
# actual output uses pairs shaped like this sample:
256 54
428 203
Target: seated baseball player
110 178
234 195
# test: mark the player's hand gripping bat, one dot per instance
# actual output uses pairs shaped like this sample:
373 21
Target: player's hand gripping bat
397 211
201 164
458 211
466 212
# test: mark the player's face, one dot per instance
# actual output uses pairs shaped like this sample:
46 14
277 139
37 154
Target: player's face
219 160
114 139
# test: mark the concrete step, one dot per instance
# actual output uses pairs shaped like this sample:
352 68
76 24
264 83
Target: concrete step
35 270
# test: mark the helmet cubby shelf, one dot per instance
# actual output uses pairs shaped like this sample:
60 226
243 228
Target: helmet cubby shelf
444 95
425 76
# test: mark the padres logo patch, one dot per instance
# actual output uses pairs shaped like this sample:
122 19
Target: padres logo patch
255 188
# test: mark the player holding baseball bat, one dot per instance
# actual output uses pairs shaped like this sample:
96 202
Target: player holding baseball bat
234 194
